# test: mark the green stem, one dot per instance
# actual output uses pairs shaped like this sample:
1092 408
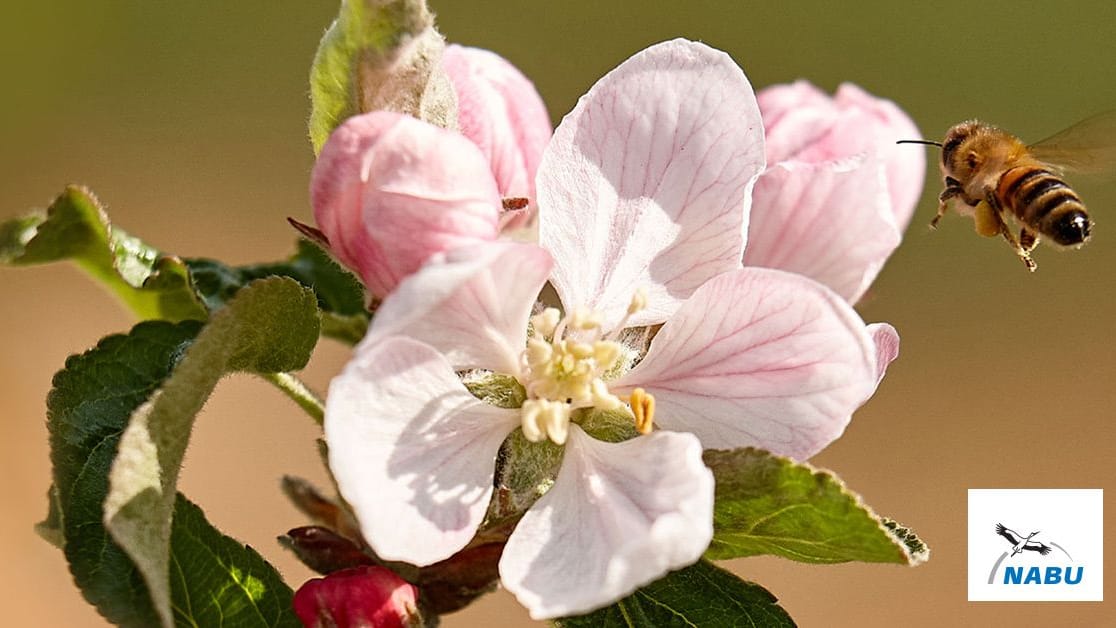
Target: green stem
300 393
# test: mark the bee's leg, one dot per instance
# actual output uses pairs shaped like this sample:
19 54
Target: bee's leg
952 190
1023 253
1028 239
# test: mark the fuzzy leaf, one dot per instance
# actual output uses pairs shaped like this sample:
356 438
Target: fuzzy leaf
767 504
339 293
75 227
270 326
698 595
379 54
87 410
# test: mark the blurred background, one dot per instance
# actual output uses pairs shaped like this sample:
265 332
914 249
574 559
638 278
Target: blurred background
188 120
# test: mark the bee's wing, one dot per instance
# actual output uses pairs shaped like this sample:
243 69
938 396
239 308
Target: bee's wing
1088 146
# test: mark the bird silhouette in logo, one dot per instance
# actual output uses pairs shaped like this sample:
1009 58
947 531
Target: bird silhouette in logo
1020 542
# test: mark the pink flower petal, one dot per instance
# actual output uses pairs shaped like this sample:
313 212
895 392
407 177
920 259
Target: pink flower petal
619 515
760 358
887 347
830 221
500 110
795 116
804 124
389 191
413 452
906 169
646 183
472 304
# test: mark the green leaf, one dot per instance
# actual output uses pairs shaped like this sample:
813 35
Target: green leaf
766 504
218 581
339 293
75 227
87 410
699 595
379 54
270 326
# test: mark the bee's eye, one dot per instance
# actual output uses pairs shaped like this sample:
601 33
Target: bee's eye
950 146
971 160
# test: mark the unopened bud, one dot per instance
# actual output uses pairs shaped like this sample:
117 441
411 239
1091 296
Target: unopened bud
368 596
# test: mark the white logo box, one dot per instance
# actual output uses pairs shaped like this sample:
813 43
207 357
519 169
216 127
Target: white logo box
1063 562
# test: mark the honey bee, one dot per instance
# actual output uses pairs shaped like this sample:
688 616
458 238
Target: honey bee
995 176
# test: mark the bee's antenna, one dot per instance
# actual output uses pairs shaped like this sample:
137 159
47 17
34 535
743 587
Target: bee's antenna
938 144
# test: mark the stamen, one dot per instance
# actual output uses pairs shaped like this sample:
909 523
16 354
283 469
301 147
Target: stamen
542 419
545 321
643 409
565 373
638 303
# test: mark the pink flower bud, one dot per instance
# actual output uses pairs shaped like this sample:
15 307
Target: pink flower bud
838 192
389 191
361 597
500 110
803 123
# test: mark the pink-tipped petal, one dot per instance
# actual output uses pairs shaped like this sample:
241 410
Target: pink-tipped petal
472 304
795 116
906 169
619 515
887 347
804 124
413 452
761 358
647 182
500 110
830 221
389 191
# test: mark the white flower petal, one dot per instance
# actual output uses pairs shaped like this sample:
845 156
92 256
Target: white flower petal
472 304
413 452
830 221
646 183
620 515
762 358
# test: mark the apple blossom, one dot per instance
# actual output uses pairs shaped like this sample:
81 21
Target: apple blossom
643 194
500 110
389 191
363 193
838 192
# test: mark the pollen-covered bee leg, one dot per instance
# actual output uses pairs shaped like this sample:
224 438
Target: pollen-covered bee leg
987 221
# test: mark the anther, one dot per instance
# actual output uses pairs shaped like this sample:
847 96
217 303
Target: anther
546 321
638 303
643 409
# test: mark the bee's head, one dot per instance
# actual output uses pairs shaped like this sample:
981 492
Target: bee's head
959 159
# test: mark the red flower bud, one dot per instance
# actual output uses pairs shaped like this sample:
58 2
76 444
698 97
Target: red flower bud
361 597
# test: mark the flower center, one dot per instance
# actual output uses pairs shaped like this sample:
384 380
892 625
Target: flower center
564 366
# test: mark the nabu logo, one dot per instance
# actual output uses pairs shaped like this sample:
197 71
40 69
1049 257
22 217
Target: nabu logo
1028 545
1043 575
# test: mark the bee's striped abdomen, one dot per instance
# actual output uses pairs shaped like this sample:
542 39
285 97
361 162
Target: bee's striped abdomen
1043 202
